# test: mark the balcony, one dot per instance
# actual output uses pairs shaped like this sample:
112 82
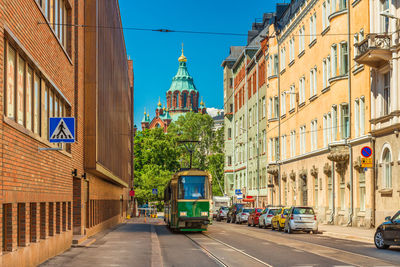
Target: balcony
374 50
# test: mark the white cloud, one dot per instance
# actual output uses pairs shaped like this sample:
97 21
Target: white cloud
213 111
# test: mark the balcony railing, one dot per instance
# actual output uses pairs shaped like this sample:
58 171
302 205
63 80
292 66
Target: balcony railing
374 50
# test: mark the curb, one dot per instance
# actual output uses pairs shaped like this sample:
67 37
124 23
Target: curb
349 237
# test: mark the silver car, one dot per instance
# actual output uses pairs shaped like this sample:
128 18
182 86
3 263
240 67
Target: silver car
301 219
243 215
265 218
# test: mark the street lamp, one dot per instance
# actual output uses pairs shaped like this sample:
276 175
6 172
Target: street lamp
388 15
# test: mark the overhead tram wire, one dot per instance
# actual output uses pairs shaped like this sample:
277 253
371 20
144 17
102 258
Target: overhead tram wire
165 30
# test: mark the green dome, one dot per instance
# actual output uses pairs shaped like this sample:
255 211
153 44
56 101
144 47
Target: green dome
182 80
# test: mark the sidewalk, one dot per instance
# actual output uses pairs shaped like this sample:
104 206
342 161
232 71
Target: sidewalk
134 243
348 233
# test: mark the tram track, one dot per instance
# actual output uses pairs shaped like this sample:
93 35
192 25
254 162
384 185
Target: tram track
216 249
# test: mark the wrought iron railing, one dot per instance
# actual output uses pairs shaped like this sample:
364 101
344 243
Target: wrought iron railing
373 41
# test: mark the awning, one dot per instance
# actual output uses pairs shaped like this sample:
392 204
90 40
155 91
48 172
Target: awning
248 200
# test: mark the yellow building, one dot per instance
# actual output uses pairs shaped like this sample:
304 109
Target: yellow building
318 104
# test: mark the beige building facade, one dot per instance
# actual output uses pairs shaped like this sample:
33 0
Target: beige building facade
331 77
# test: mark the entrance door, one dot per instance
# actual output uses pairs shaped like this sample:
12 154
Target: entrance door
304 191
76 206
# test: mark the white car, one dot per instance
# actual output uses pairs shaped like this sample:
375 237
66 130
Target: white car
265 219
243 215
301 219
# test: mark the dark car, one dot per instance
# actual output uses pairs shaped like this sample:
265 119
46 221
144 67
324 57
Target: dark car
254 217
233 210
221 213
388 233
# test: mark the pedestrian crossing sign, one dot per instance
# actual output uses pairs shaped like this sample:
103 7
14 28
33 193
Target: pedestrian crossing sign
62 130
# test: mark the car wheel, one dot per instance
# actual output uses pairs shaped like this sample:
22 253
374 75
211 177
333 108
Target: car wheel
279 227
259 224
289 230
379 241
315 232
248 224
272 226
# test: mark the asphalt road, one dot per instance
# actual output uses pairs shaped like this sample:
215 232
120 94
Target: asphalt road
139 243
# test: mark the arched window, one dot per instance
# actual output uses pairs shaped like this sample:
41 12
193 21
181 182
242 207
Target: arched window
387 169
158 125
184 100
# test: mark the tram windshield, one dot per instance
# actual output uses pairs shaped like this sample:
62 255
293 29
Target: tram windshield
192 187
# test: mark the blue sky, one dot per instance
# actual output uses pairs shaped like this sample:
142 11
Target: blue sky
155 55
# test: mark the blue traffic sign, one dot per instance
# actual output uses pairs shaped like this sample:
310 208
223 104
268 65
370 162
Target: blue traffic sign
62 130
366 152
155 191
238 191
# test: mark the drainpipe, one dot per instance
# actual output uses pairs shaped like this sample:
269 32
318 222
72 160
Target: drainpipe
350 222
279 127
247 122
234 135
257 137
373 183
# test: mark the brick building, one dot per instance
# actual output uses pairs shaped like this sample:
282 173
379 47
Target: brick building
50 199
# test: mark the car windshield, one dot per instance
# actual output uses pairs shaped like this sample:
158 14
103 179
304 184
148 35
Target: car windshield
396 218
258 210
285 211
273 212
306 211
192 187
224 208
247 210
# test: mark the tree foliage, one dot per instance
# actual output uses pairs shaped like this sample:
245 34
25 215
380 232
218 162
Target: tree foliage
158 155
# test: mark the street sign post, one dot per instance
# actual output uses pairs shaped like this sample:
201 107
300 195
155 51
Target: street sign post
155 191
62 130
366 162
366 151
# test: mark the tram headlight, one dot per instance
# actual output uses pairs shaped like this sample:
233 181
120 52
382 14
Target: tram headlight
183 213
204 213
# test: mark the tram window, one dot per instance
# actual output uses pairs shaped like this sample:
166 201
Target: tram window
192 187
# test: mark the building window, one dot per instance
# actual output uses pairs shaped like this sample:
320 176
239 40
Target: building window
283 57
302 90
342 4
270 150
384 20
33 222
283 104
250 118
302 139
333 6
292 97
316 191
361 183
263 107
387 169
326 69
301 39
325 14
344 121
313 135
276 148
386 94
7 227
344 59
51 219
342 194
291 49
292 143
333 60
313 82
42 220
21 225
283 146
330 192
56 13
362 115
58 217
229 161
276 107
269 66
313 27
229 133
356 117
69 215
64 216
325 130
276 64
334 123
24 94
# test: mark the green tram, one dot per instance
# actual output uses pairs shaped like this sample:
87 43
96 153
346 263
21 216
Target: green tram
187 199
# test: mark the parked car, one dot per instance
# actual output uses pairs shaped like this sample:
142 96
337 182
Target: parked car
301 219
214 213
233 210
266 216
278 221
388 233
221 213
243 215
254 216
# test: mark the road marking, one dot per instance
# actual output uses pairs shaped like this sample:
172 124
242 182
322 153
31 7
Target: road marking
320 250
238 250
156 259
